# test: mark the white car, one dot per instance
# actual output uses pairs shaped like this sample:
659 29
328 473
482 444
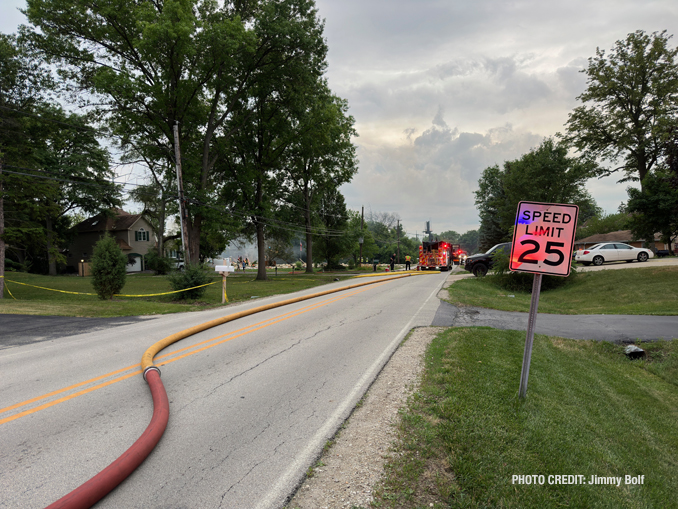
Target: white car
612 252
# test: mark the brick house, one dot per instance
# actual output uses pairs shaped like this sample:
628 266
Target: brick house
133 233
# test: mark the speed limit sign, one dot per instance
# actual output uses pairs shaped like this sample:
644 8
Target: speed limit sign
543 237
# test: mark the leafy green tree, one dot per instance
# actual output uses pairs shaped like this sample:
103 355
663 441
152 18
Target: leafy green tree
148 66
449 236
469 241
23 83
333 239
629 104
369 245
545 174
604 223
655 207
321 156
109 268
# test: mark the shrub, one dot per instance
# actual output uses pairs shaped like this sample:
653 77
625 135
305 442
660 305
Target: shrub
192 275
521 281
109 268
299 265
161 265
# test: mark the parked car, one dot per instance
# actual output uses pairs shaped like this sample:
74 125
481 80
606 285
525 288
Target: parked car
612 252
479 264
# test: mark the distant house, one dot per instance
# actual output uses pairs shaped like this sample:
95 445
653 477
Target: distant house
133 233
620 236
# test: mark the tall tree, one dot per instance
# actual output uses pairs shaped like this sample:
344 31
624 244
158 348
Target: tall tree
545 174
23 84
322 156
83 179
469 241
655 207
334 238
630 102
151 65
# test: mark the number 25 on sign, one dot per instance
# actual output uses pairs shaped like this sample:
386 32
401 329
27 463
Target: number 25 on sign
543 237
542 244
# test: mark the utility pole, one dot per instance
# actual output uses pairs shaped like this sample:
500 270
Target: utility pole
183 217
362 220
398 233
2 242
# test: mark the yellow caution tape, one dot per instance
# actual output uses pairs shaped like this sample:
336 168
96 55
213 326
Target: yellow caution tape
115 295
8 290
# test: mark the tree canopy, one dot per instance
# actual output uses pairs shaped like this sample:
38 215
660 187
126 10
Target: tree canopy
545 174
630 102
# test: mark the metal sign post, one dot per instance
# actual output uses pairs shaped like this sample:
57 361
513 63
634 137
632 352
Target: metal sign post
527 355
543 236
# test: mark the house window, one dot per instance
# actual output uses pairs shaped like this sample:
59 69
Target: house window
141 235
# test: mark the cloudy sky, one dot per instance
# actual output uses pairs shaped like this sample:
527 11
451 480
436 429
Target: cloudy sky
442 89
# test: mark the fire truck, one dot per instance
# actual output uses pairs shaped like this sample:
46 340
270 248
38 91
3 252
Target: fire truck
438 255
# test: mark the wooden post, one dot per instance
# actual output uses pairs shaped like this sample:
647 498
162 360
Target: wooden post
224 298
183 217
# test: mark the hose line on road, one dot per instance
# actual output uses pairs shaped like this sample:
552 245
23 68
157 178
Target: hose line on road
108 479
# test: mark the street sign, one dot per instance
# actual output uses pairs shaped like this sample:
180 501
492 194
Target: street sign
543 237
542 244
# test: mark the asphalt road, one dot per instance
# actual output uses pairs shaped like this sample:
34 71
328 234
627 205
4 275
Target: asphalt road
248 414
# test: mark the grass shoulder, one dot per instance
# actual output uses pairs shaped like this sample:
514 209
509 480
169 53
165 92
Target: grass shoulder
32 300
643 291
589 411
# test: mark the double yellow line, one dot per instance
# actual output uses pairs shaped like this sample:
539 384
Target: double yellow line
168 358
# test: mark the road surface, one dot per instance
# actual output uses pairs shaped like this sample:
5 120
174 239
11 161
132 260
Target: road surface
252 402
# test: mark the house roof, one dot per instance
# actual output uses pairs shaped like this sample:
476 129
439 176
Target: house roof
123 245
120 221
619 236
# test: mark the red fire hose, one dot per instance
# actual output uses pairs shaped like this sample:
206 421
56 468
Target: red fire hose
108 479
105 481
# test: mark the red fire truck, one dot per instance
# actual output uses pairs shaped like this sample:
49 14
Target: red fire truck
438 255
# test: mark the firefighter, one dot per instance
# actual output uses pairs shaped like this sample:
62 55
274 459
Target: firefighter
407 262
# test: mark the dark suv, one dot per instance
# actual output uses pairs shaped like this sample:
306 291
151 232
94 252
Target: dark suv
479 264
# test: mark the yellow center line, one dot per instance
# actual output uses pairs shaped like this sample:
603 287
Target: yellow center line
91 380
234 334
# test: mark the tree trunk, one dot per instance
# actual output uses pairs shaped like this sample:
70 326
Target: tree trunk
51 259
309 236
2 242
261 253
193 240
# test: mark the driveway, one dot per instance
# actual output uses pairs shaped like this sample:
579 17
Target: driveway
23 329
618 328
654 262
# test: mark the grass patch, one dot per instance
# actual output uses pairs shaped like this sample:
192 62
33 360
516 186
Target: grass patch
239 287
646 291
589 411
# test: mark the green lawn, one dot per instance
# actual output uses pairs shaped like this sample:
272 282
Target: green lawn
643 291
239 287
589 411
